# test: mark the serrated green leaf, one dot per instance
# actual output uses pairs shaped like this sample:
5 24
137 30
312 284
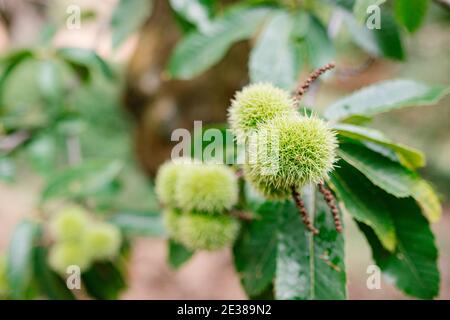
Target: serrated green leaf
104 281
413 266
197 52
178 254
196 12
128 16
139 224
385 96
373 139
364 202
310 267
20 257
277 56
87 179
49 282
392 177
411 13
255 249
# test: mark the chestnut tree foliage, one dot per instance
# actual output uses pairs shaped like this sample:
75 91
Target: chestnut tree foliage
52 121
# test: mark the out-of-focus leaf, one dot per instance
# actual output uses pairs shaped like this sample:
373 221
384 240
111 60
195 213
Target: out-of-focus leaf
407 156
49 82
388 37
83 60
20 257
413 266
139 224
7 169
178 254
197 52
361 35
42 153
197 12
255 250
360 8
364 202
49 282
385 96
128 16
9 63
104 281
310 267
87 179
392 177
319 47
411 13
277 56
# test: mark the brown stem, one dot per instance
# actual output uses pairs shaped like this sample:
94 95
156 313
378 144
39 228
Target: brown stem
241 215
303 88
301 208
329 198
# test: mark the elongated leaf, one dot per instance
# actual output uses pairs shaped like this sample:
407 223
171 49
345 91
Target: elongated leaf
411 13
196 12
178 254
255 250
392 177
319 47
128 16
361 35
413 266
49 82
9 63
49 282
83 60
385 96
87 179
20 258
293 268
104 281
388 36
277 57
197 52
310 267
407 156
139 224
364 202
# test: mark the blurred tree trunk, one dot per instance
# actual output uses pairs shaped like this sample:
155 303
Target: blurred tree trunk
158 104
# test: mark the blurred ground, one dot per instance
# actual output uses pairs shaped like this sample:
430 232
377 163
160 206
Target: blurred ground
211 275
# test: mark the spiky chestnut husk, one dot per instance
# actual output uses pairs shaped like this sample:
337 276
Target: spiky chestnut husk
65 254
199 231
102 241
206 187
167 177
306 154
256 104
69 224
4 287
